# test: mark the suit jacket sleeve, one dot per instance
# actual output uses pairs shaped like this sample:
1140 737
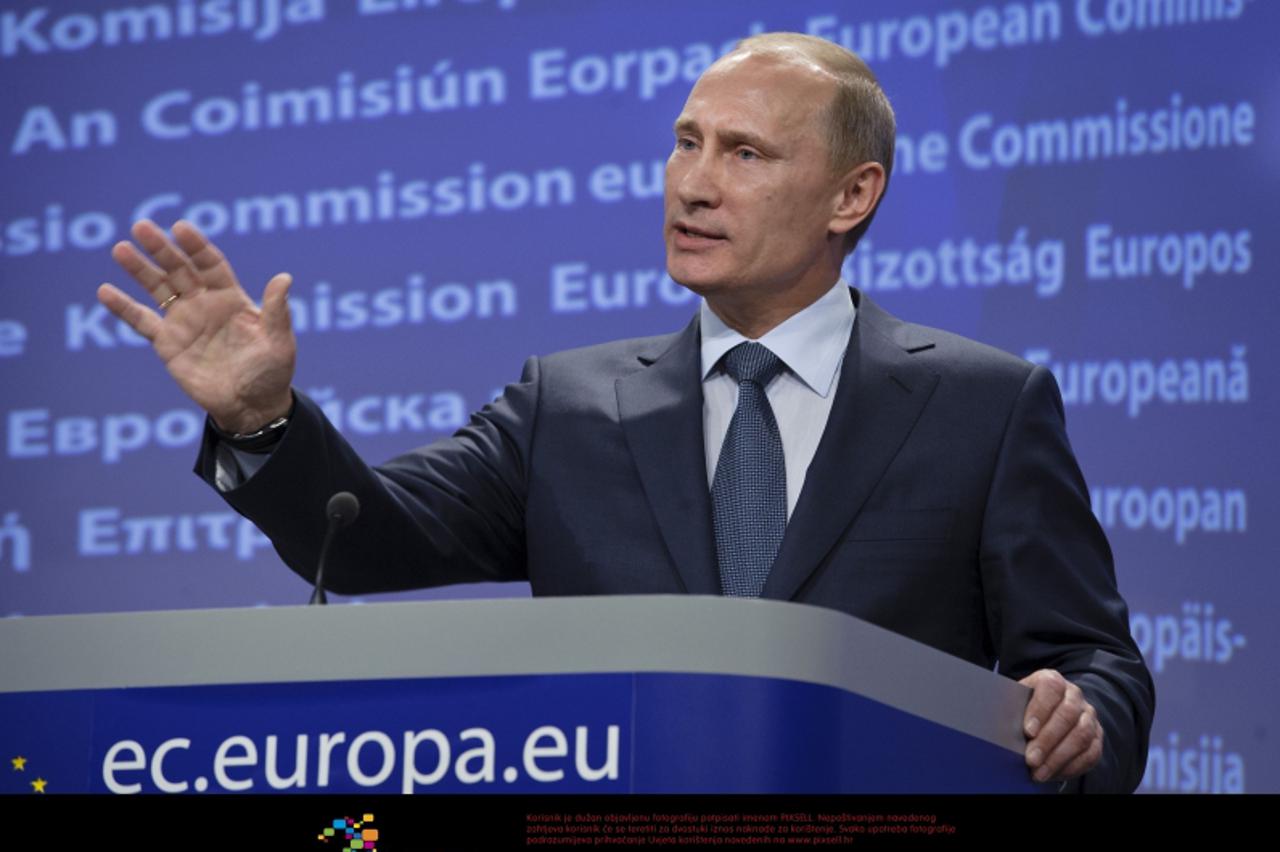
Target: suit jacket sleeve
1052 599
450 512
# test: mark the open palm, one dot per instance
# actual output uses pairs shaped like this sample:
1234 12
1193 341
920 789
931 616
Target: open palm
235 360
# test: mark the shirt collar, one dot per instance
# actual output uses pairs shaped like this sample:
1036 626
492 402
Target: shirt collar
811 343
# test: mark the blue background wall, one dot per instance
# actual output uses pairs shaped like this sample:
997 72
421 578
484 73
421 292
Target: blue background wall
1085 183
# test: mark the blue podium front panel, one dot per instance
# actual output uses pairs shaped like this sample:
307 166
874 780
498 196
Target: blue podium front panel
564 733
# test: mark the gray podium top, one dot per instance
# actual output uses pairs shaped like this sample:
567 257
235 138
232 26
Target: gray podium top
703 635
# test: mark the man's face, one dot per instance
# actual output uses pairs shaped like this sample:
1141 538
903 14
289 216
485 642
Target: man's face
749 187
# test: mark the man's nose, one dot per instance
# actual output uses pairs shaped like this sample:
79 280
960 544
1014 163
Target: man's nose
700 182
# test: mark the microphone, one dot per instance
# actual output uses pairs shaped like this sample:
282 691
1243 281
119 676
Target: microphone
341 510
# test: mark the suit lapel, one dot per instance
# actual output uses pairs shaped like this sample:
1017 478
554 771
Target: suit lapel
660 409
881 393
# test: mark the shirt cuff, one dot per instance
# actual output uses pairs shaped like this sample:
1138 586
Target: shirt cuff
233 468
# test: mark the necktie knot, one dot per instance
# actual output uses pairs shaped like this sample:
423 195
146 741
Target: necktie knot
752 362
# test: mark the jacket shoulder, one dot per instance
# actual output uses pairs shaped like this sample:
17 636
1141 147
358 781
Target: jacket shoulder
611 360
950 355
962 357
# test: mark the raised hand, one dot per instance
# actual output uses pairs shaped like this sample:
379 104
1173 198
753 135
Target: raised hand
235 360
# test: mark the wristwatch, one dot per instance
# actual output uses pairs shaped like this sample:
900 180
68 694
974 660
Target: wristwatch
260 441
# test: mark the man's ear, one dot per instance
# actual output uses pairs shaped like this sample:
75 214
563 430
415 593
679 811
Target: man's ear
859 189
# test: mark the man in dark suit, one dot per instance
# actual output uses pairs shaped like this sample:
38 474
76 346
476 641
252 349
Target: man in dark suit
907 476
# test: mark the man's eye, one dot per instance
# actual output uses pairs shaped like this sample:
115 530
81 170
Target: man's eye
685 144
747 154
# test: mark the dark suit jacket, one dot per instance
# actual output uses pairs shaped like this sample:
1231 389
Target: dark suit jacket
943 503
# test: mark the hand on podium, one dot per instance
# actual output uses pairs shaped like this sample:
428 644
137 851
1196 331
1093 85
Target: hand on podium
1064 738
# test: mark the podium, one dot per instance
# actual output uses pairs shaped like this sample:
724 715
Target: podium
664 694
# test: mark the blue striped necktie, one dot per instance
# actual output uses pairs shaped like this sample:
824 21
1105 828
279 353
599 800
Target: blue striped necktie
749 491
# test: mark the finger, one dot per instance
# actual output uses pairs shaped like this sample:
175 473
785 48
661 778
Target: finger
1044 751
275 304
151 277
1088 760
1077 752
175 263
204 255
140 318
1048 688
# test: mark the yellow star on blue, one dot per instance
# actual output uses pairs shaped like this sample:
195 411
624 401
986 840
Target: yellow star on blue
39 784
19 764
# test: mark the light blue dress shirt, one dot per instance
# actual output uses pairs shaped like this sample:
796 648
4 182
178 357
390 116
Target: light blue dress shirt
812 344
